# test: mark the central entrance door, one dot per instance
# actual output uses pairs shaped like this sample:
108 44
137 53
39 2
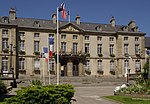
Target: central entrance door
75 68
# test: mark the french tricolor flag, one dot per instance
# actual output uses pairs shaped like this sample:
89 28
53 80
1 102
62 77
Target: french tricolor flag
45 50
51 44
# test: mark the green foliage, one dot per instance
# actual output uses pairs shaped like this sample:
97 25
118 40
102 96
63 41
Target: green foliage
146 70
3 90
50 94
129 100
36 82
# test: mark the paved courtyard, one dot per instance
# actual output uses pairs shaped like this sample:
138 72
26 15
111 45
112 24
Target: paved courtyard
92 95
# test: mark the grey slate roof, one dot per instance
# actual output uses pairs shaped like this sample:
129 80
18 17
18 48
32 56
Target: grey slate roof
48 24
147 42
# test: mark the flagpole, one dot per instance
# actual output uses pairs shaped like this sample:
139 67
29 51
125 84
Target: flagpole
48 63
69 15
57 49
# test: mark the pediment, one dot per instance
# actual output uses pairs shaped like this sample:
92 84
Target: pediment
71 28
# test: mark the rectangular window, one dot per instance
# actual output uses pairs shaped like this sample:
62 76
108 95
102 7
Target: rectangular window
75 37
99 38
5 33
51 35
125 38
136 38
4 43
63 47
21 64
36 35
137 51
21 34
137 66
111 39
63 36
36 46
112 66
126 48
4 64
87 65
126 65
99 62
111 48
37 64
75 48
86 37
21 45
51 65
87 47
99 48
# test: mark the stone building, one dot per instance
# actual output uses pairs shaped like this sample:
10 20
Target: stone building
84 48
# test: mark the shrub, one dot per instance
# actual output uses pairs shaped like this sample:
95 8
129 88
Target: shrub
36 82
50 94
3 90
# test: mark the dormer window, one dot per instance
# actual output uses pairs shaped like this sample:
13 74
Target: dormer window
5 19
135 29
36 24
98 28
124 28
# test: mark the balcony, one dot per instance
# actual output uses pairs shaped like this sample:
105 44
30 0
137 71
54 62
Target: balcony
37 53
4 35
5 50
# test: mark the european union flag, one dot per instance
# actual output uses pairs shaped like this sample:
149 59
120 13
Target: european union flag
51 40
148 52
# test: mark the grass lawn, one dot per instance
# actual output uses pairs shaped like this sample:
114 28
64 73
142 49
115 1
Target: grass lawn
129 100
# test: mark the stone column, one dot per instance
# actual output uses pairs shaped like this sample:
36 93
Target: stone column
69 68
81 69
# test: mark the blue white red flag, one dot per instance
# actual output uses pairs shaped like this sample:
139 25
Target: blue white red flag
51 44
45 50
63 11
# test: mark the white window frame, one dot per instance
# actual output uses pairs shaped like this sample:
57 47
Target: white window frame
99 48
87 48
99 65
87 65
63 46
126 48
51 64
21 64
36 64
4 64
112 65
36 46
111 48
75 48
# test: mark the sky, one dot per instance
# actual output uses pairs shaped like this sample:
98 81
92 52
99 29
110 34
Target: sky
92 11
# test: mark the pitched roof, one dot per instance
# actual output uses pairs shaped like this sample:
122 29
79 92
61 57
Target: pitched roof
147 42
48 24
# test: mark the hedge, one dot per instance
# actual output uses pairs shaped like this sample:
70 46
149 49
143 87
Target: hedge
50 94
3 90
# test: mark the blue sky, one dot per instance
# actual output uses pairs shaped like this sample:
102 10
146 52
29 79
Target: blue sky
95 11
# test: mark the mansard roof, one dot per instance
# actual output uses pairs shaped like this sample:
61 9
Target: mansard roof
48 24
147 42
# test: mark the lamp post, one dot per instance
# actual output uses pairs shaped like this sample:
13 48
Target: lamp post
11 68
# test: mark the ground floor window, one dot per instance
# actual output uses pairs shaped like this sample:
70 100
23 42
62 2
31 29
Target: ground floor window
51 64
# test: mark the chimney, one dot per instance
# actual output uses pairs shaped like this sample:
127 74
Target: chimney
12 14
132 24
54 18
78 19
112 21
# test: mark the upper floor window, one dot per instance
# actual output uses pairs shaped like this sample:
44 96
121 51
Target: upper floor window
111 39
137 51
111 49
125 38
136 38
63 36
126 48
87 47
75 47
51 35
75 37
36 35
21 34
5 33
36 46
21 45
99 38
126 65
99 48
4 43
86 37
63 47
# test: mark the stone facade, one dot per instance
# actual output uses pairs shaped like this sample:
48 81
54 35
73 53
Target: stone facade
84 48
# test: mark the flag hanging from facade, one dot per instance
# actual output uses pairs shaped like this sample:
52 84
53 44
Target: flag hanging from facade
45 50
63 11
51 45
